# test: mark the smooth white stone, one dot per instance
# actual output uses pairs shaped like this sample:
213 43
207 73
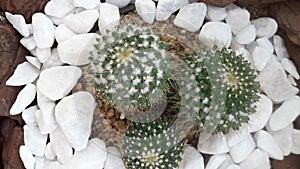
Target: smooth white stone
289 66
259 119
279 47
34 140
61 147
215 33
26 157
235 44
43 30
296 142
191 16
63 33
165 8
291 80
264 42
43 54
28 115
238 19
242 150
34 61
59 8
93 156
246 35
215 161
216 13
261 57
57 82
79 22
191 159
56 165
250 47
226 163
146 9
74 115
285 114
273 82
75 51
114 160
266 142
233 166
45 116
49 153
25 73
28 42
53 61
118 3
24 98
234 137
90 4
30 29
40 162
108 18
265 27
256 159
18 22
283 138
203 137
216 144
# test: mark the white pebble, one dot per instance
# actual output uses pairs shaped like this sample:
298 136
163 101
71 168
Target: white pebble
264 42
28 42
215 161
43 30
61 147
261 57
291 80
289 66
63 33
43 54
34 140
34 61
216 144
30 29
165 8
24 98
109 17
242 150
226 163
90 4
146 9
246 35
265 27
234 137
233 166
192 159
53 61
25 73
119 3
235 44
114 160
216 13
49 153
296 142
257 159
279 47
59 8
238 19
28 115
18 22
26 157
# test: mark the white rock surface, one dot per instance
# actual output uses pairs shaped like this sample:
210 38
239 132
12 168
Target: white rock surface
63 33
264 42
59 8
215 33
74 115
241 151
279 47
28 42
264 108
43 54
57 82
30 29
216 13
45 116
250 47
166 7
49 153
234 137
28 115
283 138
61 147
114 160
25 73
34 140
216 144
296 142
273 82
34 61
43 30
79 22
191 16
191 159
93 156
215 161
261 57
285 114
226 163
246 35
26 157
238 19
24 98
75 51
289 66
265 27
266 142
235 44
292 80
257 159
233 166
18 22
53 61
119 3
90 4
108 18
146 9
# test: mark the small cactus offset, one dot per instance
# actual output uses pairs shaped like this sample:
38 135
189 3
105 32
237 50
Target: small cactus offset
128 67
228 89
152 145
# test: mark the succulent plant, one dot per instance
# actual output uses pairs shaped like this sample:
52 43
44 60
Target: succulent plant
129 67
228 89
152 145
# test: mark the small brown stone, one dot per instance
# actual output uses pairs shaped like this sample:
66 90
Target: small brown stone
220 3
289 162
